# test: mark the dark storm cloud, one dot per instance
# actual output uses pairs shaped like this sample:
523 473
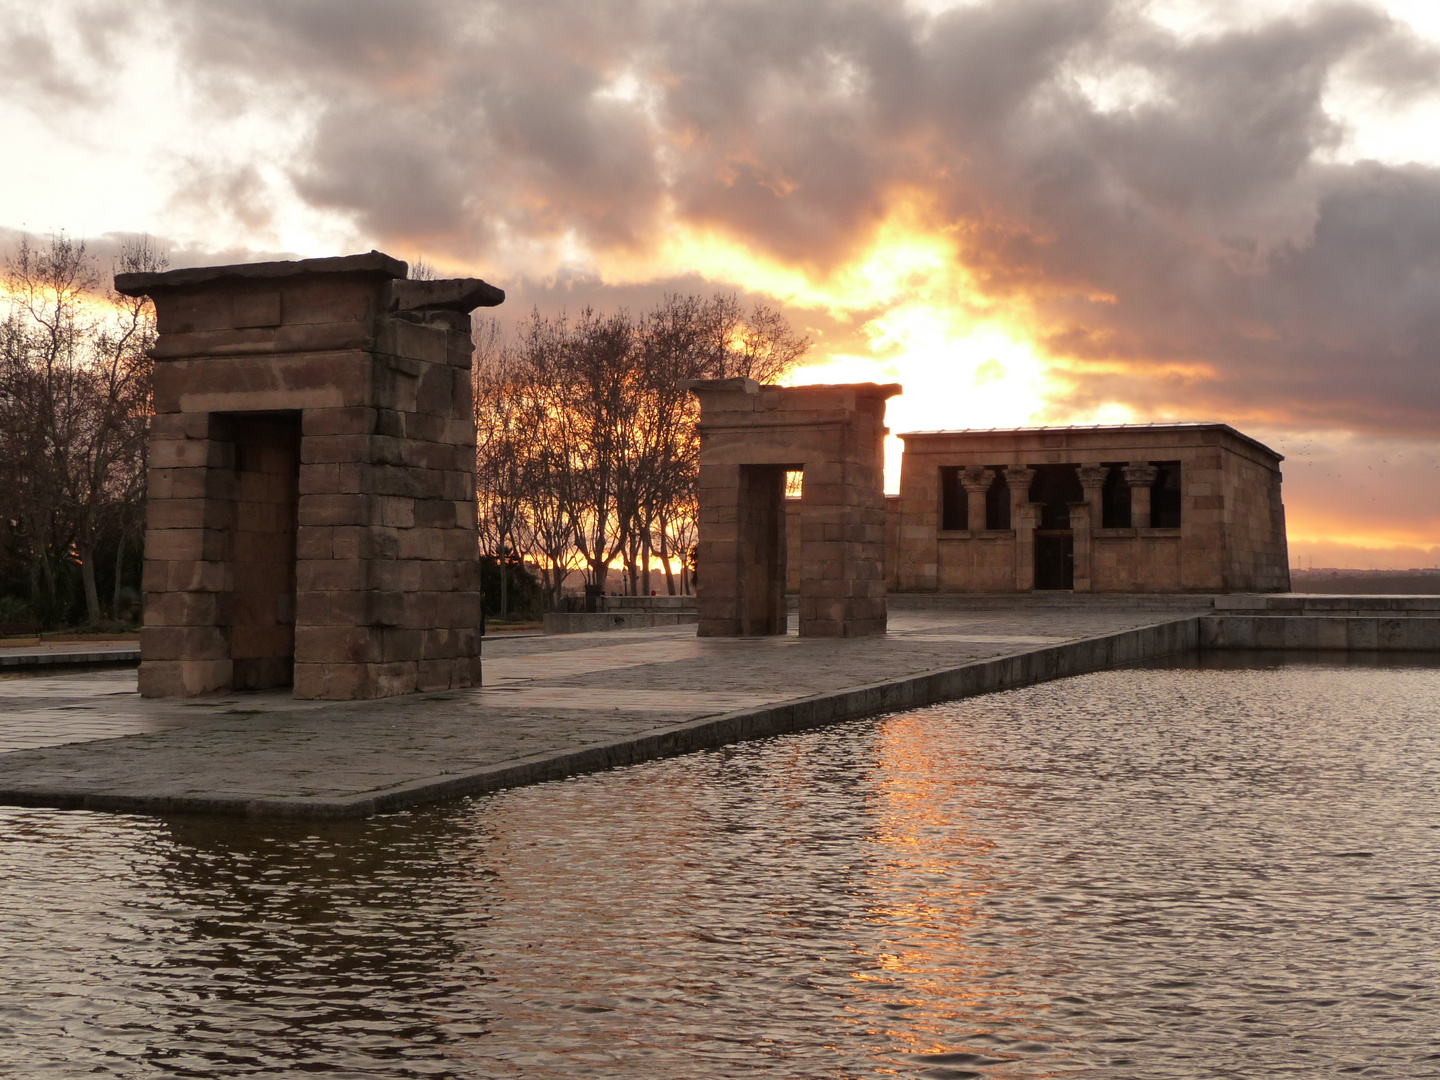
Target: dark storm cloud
1193 223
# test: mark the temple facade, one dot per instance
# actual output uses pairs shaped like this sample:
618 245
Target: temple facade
1130 508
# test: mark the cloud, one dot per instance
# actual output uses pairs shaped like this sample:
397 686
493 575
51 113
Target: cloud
1163 212
59 60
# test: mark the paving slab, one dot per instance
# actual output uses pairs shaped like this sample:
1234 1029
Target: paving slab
549 707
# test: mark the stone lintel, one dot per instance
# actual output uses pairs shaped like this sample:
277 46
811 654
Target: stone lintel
461 295
374 264
865 390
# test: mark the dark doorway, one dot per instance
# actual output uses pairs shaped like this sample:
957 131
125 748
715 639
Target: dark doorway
267 498
1055 487
954 500
997 500
761 521
1115 498
1054 559
1165 496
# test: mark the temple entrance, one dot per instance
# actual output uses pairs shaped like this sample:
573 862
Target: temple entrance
751 436
762 555
1055 489
267 497
1054 559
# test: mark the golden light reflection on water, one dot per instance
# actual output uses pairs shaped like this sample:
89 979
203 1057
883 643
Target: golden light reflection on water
927 885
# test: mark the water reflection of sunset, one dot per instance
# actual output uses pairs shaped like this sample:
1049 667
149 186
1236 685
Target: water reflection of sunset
927 884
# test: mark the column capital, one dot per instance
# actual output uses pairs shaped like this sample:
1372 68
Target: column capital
1092 475
1019 477
1140 474
976 478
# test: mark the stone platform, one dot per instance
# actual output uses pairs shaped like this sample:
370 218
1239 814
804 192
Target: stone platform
550 707
558 706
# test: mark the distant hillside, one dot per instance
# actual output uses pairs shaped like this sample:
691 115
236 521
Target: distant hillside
1361 582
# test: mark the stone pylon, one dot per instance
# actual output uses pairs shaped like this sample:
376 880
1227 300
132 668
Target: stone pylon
751 437
311 506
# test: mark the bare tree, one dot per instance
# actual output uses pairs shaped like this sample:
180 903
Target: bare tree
602 460
501 448
74 407
686 337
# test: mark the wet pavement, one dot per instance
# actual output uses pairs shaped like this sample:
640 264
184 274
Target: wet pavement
89 739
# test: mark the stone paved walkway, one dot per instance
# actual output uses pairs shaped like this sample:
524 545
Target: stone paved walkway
91 734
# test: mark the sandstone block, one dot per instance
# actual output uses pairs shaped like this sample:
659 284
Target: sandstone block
344 420
318 449
330 510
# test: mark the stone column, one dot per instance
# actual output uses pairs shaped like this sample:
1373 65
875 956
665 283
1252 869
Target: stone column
1022 519
1140 475
1092 481
312 480
750 435
1080 526
976 479
1085 518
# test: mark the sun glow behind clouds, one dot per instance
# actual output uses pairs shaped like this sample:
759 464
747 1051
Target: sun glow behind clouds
908 313
955 374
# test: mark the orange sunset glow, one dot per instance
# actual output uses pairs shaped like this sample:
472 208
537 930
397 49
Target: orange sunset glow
1042 212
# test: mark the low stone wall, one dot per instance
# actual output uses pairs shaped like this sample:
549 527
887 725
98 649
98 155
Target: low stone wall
583 622
1360 633
69 656
650 603
1329 604
1179 603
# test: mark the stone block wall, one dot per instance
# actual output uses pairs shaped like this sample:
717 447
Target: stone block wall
979 561
1136 563
1256 551
892 543
312 488
834 434
917 549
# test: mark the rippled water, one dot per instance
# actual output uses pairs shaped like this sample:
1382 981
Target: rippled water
1146 873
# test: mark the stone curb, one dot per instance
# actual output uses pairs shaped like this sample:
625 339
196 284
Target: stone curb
853 703
1361 633
58 658
580 622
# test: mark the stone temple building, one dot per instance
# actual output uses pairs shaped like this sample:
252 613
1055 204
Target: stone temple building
1129 508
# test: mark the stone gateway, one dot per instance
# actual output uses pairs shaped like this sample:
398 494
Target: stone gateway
751 437
311 505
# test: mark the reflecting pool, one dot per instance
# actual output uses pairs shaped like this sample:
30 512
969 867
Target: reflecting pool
1158 872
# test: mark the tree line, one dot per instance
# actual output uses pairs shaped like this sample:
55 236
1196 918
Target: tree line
587 448
74 412
586 452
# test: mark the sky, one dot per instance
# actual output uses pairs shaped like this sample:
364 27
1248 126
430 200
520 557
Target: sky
1026 211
